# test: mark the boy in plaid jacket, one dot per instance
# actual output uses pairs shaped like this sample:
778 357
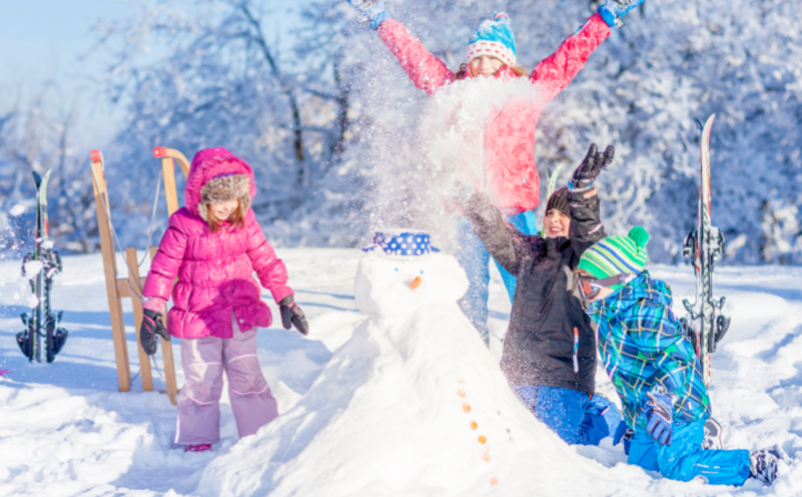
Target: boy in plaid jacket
654 369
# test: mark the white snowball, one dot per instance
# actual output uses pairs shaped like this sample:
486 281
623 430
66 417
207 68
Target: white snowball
17 210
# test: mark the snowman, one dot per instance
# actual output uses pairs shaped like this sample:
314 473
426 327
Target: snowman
413 404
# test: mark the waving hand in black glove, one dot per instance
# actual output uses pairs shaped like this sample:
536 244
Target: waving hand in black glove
152 325
592 165
292 314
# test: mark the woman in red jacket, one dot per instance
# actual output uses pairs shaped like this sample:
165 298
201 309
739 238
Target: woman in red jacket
508 137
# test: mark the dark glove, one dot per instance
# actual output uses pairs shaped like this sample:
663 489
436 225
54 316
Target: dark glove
590 168
613 10
479 209
659 417
152 324
292 314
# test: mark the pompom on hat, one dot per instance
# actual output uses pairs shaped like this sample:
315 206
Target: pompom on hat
616 255
494 37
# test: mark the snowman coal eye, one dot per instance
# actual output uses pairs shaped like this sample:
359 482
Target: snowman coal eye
421 272
396 270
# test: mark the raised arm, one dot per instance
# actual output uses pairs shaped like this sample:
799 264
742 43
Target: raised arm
506 244
556 71
586 226
425 70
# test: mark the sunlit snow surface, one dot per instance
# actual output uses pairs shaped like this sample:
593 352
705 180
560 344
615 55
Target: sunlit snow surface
66 430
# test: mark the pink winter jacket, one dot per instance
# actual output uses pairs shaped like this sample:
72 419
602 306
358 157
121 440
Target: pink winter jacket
214 270
509 139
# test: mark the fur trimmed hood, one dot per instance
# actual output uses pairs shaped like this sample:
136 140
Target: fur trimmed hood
217 175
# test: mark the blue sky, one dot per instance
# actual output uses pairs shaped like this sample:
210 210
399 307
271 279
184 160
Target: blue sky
43 40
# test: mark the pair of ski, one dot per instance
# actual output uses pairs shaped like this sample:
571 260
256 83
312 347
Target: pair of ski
704 324
43 264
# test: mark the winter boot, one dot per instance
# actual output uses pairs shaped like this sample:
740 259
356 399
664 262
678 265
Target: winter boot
25 344
763 463
712 439
198 448
59 339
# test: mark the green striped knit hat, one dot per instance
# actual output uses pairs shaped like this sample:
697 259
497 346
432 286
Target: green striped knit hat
616 255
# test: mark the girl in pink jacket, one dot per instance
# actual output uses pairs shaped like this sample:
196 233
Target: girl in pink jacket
213 246
509 137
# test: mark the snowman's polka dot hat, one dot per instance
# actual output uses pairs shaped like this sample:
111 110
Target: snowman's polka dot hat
403 243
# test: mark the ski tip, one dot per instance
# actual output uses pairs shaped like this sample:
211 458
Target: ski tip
96 156
159 152
37 179
699 125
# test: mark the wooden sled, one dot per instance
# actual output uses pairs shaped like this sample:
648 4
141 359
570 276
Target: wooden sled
131 287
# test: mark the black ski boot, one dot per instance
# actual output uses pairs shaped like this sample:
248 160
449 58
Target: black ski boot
25 345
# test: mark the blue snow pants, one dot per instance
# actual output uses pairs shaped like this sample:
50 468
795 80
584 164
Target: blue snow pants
574 417
474 258
685 459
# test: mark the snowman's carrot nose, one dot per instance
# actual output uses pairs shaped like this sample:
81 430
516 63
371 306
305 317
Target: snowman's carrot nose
415 283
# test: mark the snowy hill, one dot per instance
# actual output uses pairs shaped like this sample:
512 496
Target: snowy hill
67 431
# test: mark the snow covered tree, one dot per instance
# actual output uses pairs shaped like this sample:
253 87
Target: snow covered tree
673 61
37 134
333 127
218 79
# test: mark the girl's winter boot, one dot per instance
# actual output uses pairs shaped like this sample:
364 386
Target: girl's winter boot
198 448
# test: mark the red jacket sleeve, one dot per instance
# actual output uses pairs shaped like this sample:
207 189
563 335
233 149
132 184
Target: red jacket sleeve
269 268
557 70
425 70
168 260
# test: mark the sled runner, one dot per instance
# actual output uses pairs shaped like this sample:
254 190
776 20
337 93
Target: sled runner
131 287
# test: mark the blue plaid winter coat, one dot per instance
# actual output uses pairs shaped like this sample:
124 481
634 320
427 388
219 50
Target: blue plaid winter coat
643 348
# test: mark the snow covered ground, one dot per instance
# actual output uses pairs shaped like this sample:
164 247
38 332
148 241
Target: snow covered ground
66 430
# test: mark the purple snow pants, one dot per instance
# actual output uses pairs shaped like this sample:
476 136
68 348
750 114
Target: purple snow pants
204 360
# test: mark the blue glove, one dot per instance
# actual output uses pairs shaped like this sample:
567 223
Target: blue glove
623 434
373 10
659 417
613 10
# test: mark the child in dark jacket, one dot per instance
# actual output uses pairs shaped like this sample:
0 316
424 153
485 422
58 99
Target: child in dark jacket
654 369
549 352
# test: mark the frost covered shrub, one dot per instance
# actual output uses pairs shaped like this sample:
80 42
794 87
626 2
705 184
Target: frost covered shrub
334 135
673 61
